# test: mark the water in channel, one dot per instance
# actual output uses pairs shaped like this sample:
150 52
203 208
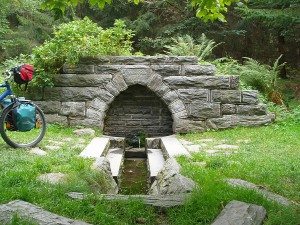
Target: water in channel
134 178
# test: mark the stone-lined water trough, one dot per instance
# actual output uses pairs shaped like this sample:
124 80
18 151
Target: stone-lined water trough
163 177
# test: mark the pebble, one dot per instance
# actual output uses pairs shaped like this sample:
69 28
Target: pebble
37 151
224 146
85 131
52 147
53 178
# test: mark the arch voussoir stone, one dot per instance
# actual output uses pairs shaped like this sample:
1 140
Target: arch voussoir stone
137 75
119 82
157 85
177 106
170 97
106 96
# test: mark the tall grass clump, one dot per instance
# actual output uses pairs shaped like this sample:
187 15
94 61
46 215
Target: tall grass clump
187 46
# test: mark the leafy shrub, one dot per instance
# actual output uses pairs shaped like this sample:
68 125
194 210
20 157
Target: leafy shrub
227 66
82 38
186 45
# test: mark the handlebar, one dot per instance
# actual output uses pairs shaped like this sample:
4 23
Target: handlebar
8 73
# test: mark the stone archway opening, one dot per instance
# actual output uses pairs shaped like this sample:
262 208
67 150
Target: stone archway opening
138 111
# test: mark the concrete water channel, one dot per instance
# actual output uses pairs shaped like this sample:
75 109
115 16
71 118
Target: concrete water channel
134 169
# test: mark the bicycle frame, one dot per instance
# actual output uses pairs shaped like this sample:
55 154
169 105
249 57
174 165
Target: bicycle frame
7 92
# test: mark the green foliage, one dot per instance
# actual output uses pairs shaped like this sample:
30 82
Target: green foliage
212 10
227 65
23 26
255 75
4 27
63 4
205 9
282 16
82 38
285 117
186 46
274 3
263 78
11 62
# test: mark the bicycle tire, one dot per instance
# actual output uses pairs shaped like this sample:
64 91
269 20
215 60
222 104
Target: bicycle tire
18 139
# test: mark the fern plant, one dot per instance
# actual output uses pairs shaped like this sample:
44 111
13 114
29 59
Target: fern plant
263 77
186 46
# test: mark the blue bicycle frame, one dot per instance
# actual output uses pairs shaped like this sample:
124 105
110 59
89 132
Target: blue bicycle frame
7 92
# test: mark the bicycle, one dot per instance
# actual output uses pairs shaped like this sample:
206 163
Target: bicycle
9 124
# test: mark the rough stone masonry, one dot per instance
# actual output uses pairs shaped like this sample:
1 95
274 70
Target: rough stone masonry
157 95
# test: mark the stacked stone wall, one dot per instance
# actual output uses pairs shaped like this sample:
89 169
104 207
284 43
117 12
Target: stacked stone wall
195 97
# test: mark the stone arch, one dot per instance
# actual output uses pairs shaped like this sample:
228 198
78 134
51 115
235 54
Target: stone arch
144 77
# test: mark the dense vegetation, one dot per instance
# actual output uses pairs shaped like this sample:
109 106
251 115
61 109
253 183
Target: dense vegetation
264 31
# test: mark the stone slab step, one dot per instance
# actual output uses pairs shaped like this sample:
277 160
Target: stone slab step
269 195
155 161
96 148
115 157
162 201
241 213
172 147
33 213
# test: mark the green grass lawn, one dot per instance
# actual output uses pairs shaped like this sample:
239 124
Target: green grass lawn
271 159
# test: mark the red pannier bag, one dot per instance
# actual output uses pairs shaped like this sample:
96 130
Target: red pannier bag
23 74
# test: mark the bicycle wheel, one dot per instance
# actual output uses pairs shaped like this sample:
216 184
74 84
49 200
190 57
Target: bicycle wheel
18 139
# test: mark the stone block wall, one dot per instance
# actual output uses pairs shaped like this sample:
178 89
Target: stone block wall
191 96
136 110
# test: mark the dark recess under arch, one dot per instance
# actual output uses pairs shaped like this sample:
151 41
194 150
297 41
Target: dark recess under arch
138 110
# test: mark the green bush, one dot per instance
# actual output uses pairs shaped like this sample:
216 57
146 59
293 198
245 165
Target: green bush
82 38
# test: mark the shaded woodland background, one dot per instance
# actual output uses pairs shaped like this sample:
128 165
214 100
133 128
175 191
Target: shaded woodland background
263 31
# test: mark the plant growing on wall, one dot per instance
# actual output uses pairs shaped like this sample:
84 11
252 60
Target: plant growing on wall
82 38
